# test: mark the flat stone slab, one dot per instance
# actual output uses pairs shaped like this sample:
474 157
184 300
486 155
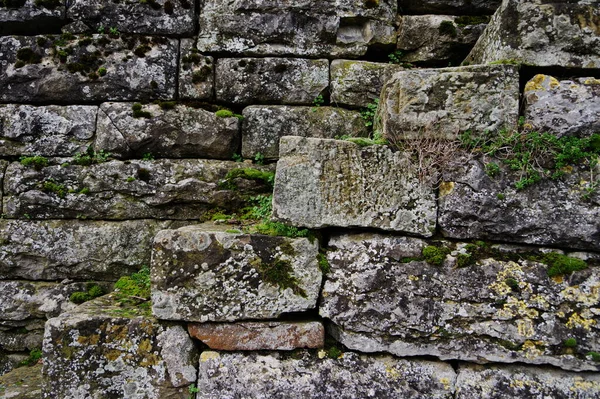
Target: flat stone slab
26 17
22 383
321 183
270 80
442 103
181 132
200 275
81 69
451 7
563 107
541 33
254 336
382 294
196 72
263 126
231 375
49 130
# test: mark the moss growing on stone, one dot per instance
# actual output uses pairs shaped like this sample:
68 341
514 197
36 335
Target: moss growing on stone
37 162
323 263
141 51
51 186
559 264
249 174
201 75
334 352
224 113
167 105
280 273
93 291
34 356
595 356
435 255
447 28
570 343
136 285
138 113
27 56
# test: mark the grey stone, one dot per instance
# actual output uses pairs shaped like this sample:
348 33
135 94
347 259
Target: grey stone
332 28
3 166
505 382
322 183
199 275
563 108
55 250
137 189
22 383
102 349
49 130
234 375
271 80
182 132
160 17
27 18
562 213
382 297
443 103
135 67
196 73
21 339
541 33
263 126
456 7
9 361
358 83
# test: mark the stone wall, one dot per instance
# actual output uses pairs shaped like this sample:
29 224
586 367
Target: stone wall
300 199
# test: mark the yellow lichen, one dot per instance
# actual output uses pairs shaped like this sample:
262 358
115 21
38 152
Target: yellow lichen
579 384
113 354
535 83
89 340
525 328
413 278
446 383
531 349
392 372
209 355
577 321
588 296
592 81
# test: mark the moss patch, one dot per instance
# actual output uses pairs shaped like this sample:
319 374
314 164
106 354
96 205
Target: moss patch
279 273
559 264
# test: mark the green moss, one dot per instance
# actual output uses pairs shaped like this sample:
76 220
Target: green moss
435 255
365 142
513 284
248 174
167 105
447 28
202 74
224 113
506 62
220 216
37 162
138 113
93 290
51 186
34 356
101 71
570 343
595 356
90 157
464 260
334 352
323 263
28 56
138 284
131 179
559 264
141 51
280 273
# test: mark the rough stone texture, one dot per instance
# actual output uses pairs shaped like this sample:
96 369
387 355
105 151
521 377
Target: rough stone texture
101 350
358 83
202 276
49 130
559 213
331 28
443 103
271 80
137 189
542 33
196 73
170 17
22 383
183 132
254 336
55 250
263 126
380 299
491 382
128 76
3 166
563 108
436 38
455 7
27 18
21 336
234 375
322 183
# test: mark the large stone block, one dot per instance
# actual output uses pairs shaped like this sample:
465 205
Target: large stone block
199 275
453 7
30 17
87 69
181 132
56 250
23 383
322 183
196 73
345 28
263 126
271 80
542 33
158 17
443 103
473 302
49 130
232 375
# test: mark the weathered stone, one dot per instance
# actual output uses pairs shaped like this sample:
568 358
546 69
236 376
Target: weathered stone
439 39
21 339
563 108
3 166
474 382
542 33
49 130
9 361
87 69
233 375
159 17
383 297
22 383
196 73
199 275
54 250
358 83
563 213
455 7
443 103
182 132
137 189
322 183
335 28
264 125
271 80
25 17
254 336
105 350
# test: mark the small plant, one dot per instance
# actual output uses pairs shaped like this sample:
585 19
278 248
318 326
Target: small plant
167 105
131 179
237 158
224 113
34 356
396 58
317 102
501 196
101 71
37 162
248 174
570 343
334 352
368 113
93 290
51 186
148 156
113 31
90 157
595 356
192 389
259 159
101 29
137 285
323 263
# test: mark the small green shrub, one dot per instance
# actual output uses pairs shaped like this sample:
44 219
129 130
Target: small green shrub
259 159
595 356
138 284
492 169
148 156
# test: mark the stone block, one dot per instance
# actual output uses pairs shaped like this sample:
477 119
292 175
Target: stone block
23 383
26 17
456 7
196 73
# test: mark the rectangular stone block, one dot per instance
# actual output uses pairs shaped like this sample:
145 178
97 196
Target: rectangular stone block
473 302
30 17
271 80
321 183
200 275
196 72
49 130
81 69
